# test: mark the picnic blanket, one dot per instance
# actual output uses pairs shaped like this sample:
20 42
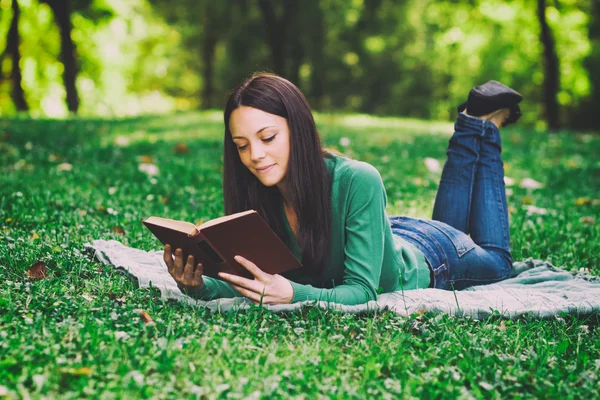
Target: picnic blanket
536 288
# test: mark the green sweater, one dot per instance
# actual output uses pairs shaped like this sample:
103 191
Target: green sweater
364 254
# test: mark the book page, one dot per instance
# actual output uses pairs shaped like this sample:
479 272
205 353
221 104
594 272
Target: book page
223 219
181 226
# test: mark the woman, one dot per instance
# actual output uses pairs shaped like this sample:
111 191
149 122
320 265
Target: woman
330 210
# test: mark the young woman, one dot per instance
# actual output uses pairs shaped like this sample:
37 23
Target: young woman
330 210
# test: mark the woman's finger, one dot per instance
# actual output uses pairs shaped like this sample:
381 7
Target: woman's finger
251 267
179 264
255 297
168 257
198 273
255 286
188 270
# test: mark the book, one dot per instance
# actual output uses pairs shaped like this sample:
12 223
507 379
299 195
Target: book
216 242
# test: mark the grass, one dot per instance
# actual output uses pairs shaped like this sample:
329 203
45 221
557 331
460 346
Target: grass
79 332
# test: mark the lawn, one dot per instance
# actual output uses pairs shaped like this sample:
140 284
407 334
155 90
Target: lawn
79 332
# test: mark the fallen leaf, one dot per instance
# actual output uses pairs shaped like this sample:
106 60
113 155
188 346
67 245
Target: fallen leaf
146 159
81 371
164 199
528 183
37 270
527 200
101 208
34 236
146 318
583 201
87 297
118 229
64 167
502 326
587 220
181 148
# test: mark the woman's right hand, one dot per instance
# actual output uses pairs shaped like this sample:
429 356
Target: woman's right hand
188 278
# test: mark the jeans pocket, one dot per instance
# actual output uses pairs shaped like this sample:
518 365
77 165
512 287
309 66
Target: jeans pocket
460 240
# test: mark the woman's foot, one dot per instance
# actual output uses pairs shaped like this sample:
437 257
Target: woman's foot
498 117
495 102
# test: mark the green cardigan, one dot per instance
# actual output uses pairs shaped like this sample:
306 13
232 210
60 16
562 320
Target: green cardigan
365 257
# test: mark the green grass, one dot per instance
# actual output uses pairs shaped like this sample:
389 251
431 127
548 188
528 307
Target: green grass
79 332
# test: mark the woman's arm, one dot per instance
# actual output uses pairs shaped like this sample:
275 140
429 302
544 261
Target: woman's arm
364 247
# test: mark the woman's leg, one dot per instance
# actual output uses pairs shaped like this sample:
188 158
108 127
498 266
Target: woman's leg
471 197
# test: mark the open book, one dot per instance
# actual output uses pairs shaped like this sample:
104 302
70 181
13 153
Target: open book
216 242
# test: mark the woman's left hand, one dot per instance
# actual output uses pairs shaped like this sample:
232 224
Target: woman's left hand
264 288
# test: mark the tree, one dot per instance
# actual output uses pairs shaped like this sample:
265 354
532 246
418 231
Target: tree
551 70
62 10
13 40
277 29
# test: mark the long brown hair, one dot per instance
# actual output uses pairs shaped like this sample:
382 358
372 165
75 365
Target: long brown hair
307 180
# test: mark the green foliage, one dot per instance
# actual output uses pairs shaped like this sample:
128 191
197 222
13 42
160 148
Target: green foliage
79 332
413 58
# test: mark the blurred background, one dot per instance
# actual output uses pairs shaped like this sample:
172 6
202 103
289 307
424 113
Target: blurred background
414 58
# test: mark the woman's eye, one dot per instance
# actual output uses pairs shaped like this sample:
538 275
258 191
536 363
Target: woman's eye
242 147
269 139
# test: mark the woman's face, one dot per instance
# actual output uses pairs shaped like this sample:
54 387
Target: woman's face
263 143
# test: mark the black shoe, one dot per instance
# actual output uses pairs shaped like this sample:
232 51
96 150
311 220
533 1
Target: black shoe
492 96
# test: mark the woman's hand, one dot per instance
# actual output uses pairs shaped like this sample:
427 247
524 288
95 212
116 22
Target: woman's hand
188 278
264 288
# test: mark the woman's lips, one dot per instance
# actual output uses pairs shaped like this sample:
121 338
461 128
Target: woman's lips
265 170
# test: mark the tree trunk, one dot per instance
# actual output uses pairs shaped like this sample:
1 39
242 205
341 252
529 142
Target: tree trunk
551 70
12 48
276 30
62 16
317 74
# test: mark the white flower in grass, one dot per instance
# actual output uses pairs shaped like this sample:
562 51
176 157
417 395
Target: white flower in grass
121 335
150 197
529 183
112 190
433 165
509 181
153 181
536 210
121 141
345 142
148 168
111 211
64 167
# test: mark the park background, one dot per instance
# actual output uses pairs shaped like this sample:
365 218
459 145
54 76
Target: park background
413 58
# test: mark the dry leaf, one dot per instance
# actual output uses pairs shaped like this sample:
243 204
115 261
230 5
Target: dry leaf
87 297
118 229
164 199
582 201
37 270
34 236
587 220
527 200
146 318
81 371
502 326
101 208
147 159
64 167
181 148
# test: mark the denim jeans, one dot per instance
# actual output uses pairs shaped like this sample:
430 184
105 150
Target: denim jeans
471 200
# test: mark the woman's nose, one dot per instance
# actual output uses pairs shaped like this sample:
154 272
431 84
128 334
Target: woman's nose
257 152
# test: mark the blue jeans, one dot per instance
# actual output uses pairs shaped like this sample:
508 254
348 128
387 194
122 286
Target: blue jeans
471 200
